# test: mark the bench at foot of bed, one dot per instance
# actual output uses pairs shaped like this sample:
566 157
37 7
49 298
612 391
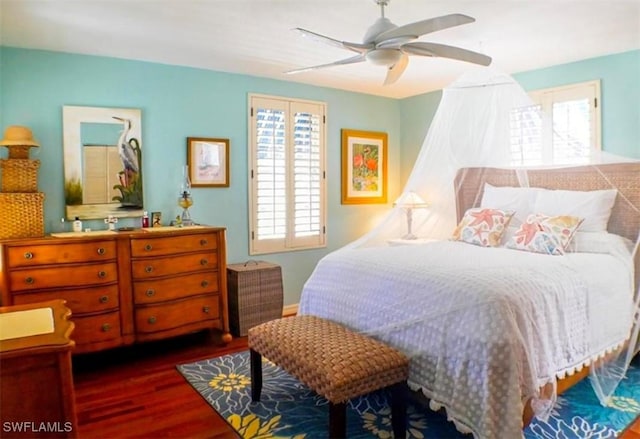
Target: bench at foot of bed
334 361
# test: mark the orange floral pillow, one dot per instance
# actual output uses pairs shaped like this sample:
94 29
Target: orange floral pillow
545 234
482 226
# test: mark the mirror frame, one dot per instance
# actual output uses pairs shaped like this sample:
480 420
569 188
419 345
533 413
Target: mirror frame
72 119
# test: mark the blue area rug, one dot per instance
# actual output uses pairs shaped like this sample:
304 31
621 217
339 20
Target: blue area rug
289 409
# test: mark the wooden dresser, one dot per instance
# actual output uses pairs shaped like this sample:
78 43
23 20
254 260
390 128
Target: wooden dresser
124 287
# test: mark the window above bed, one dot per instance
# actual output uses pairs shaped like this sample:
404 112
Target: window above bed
574 111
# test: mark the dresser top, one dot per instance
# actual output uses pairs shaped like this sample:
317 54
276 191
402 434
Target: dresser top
108 234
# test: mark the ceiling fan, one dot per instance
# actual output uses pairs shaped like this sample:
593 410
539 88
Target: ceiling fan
387 44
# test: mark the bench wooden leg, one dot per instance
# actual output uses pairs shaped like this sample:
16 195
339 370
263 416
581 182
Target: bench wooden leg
399 410
337 420
256 375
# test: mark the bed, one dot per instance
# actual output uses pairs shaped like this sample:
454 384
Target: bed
490 330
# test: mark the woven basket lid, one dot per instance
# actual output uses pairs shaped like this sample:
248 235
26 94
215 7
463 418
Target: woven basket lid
16 135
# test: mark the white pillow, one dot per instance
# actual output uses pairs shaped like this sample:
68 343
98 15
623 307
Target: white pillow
600 242
515 199
594 206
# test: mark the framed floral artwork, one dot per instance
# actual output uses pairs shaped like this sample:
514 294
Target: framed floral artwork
364 167
208 161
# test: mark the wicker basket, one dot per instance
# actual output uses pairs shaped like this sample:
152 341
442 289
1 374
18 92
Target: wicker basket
19 175
18 151
21 215
255 295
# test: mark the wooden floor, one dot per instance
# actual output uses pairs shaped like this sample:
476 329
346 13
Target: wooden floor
136 392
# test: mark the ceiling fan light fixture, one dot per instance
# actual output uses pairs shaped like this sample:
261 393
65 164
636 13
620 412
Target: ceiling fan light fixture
384 57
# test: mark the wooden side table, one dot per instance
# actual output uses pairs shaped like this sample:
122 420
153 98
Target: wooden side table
36 383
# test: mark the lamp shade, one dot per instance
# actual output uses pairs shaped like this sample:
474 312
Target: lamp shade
410 199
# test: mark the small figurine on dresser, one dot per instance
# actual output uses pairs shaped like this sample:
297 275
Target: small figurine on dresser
19 196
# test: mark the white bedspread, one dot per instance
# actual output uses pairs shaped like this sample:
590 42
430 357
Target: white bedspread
484 327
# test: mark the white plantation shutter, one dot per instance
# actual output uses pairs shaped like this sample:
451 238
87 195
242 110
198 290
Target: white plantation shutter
287 184
526 133
575 130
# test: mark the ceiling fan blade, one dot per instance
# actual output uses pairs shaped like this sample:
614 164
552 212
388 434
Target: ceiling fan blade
414 30
395 71
444 51
355 47
352 60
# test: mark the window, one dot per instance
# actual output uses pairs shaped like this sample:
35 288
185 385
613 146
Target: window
287 174
572 135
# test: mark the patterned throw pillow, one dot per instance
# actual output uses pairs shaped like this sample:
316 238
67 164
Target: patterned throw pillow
545 234
483 227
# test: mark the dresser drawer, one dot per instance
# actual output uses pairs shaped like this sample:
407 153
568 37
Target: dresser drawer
93 329
175 314
63 276
45 254
86 300
150 291
172 265
170 245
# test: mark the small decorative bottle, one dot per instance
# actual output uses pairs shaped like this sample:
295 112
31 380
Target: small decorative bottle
77 225
145 219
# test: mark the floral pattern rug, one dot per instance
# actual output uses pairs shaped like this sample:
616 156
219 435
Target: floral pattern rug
289 409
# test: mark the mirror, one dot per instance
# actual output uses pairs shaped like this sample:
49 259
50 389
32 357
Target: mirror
102 162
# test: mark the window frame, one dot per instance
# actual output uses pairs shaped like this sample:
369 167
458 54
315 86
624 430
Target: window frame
290 242
547 97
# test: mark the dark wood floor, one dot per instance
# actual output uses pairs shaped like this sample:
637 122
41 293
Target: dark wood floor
136 392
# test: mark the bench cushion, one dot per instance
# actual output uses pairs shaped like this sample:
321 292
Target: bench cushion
334 361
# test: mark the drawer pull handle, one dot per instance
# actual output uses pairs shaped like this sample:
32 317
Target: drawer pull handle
101 251
102 274
148 269
150 293
30 280
204 261
148 247
104 299
106 327
28 255
204 242
204 283
152 320
205 309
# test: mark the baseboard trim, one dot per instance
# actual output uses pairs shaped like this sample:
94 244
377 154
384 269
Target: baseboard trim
290 310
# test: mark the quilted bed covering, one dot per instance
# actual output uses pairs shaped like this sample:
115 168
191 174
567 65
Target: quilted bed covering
484 328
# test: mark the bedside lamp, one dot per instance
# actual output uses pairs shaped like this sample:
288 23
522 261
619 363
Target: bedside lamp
409 201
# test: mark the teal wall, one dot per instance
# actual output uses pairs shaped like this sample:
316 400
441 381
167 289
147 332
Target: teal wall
179 102
619 76
620 95
176 103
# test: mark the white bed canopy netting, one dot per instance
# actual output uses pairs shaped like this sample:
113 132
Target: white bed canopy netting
493 317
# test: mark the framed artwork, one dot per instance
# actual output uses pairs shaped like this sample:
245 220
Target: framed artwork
156 219
208 161
364 167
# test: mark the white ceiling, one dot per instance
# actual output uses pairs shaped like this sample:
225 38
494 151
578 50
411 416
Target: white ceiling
255 37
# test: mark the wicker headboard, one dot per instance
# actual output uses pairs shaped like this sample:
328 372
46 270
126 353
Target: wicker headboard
625 177
624 220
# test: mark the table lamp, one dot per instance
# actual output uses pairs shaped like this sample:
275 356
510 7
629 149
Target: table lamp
409 201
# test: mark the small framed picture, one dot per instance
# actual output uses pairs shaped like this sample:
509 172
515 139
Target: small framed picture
208 161
156 219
